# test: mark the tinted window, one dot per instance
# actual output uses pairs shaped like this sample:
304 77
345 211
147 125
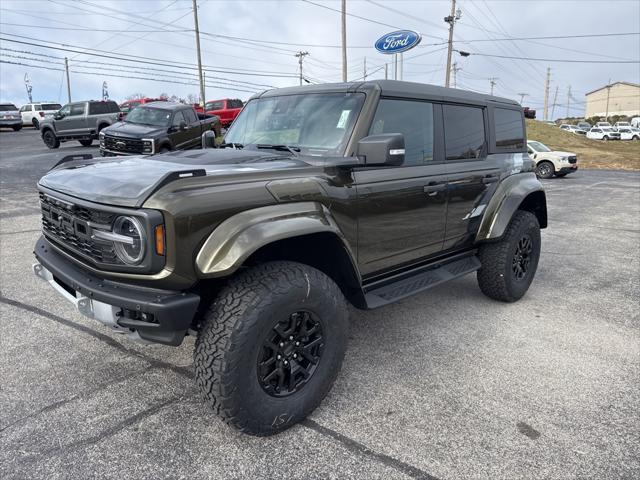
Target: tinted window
463 132
190 116
411 118
50 106
100 108
235 103
77 109
8 107
217 105
178 118
509 130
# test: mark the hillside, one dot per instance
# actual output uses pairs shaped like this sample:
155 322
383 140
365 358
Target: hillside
591 153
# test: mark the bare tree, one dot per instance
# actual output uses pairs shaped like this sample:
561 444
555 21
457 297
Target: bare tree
136 96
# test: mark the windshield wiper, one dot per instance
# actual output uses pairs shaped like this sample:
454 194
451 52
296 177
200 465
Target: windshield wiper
235 146
286 148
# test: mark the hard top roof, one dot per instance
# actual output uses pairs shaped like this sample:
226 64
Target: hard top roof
166 105
395 88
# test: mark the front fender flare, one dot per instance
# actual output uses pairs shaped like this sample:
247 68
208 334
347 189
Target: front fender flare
235 239
508 197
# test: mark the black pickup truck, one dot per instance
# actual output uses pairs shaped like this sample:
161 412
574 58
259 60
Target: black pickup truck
157 127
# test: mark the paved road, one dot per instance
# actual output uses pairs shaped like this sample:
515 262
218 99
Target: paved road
445 385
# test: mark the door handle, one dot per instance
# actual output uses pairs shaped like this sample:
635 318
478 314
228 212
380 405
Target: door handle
489 179
433 188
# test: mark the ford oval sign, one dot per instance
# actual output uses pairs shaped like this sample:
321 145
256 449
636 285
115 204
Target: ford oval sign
397 42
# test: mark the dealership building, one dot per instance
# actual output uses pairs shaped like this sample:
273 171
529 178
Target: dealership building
619 98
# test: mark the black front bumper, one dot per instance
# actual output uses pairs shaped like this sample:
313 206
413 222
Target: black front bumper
571 169
159 316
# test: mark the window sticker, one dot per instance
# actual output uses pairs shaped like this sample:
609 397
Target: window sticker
342 121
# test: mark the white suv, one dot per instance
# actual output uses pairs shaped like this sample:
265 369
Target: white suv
549 162
603 133
34 113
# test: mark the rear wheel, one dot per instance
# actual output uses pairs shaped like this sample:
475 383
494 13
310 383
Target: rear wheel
271 346
86 143
50 139
545 169
508 266
36 124
17 128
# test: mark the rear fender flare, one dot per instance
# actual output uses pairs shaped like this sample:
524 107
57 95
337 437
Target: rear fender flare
507 199
235 239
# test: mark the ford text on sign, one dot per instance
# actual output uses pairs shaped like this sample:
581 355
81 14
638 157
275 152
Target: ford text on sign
397 42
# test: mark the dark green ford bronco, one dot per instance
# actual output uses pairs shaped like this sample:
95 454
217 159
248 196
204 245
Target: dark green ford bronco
319 197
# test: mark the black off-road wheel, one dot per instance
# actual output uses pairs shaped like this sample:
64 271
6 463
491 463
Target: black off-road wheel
271 346
86 143
545 169
50 139
508 266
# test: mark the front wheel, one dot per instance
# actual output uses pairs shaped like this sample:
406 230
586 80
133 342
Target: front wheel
86 143
508 266
271 346
17 128
545 170
50 139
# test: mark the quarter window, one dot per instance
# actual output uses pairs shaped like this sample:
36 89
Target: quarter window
414 120
509 130
464 134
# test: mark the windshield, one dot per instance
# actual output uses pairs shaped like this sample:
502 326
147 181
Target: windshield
539 147
317 124
149 116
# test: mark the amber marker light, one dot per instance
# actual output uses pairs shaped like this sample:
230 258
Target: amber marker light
160 239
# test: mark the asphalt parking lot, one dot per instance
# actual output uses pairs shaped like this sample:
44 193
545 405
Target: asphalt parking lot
443 385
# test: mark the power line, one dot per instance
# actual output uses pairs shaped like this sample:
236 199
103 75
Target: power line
557 60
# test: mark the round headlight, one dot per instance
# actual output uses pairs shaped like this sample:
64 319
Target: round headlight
130 251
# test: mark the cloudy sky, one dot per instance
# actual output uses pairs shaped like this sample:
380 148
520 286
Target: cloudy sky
148 46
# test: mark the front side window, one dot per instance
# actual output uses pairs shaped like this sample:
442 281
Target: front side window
66 110
509 130
190 116
464 133
178 118
414 120
317 124
77 109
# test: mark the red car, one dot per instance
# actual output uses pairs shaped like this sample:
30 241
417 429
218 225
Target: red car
126 107
227 109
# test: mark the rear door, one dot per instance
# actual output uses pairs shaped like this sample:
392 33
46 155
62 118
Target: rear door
401 210
471 172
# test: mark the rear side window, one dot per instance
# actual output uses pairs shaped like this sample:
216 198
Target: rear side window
51 106
99 108
77 109
509 130
464 134
234 103
411 118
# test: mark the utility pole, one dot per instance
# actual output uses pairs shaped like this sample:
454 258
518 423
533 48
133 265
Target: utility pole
606 116
455 69
553 107
401 66
451 20
386 71
568 100
522 95
200 77
493 82
66 69
364 76
344 40
395 66
300 56
546 94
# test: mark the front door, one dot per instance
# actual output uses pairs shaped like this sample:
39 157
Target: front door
74 120
179 138
471 173
401 210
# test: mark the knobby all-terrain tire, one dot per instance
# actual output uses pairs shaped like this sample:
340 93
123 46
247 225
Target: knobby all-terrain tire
50 139
496 277
237 324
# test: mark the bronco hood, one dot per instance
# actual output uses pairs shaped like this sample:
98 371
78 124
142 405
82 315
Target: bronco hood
129 181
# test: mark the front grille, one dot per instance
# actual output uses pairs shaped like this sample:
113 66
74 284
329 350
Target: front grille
122 144
69 225
573 159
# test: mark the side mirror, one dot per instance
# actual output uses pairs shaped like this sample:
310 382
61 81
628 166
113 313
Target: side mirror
384 149
183 126
208 139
